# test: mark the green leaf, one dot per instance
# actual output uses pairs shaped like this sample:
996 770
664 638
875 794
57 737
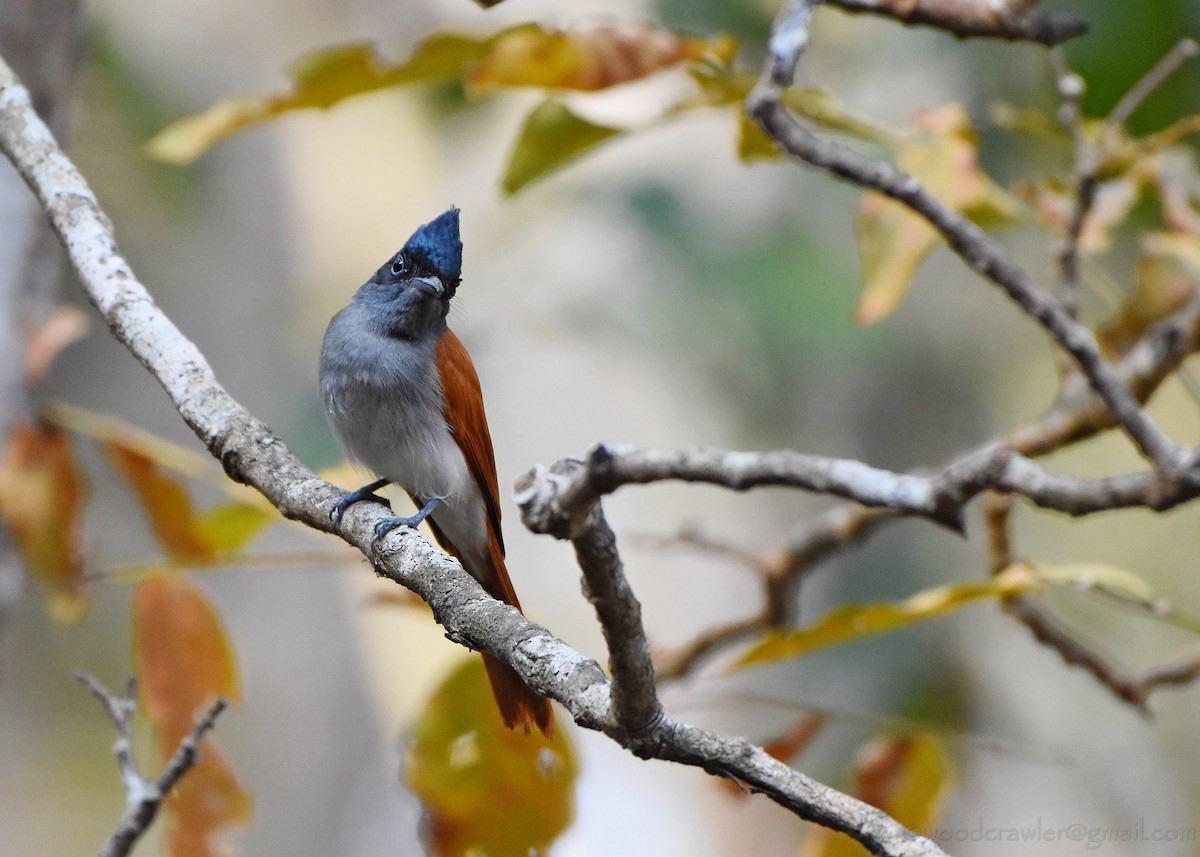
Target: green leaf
551 138
486 789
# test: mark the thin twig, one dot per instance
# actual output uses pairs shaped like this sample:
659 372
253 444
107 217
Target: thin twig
1134 689
680 662
1185 49
1070 91
143 797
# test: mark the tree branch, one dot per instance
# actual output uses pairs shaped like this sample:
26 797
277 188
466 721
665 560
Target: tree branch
143 797
941 498
635 700
789 38
551 504
251 454
1077 415
1016 20
1134 689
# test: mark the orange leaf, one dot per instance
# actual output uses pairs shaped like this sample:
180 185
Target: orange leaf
184 661
1164 286
589 58
42 495
64 326
182 654
165 503
785 747
486 789
205 805
908 778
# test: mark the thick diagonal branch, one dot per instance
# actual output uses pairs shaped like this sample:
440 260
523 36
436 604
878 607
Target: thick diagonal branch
252 454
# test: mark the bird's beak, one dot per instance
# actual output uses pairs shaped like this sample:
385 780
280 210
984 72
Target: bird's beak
431 286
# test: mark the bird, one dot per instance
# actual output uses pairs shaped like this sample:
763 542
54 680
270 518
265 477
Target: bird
403 400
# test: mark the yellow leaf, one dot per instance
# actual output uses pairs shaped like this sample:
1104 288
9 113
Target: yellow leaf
721 86
893 240
551 138
319 80
486 789
228 527
42 495
908 778
1029 121
1117 583
165 503
1163 287
165 453
590 58
525 55
1181 247
184 661
754 144
853 621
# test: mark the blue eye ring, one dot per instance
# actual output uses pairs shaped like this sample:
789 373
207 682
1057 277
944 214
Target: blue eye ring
398 266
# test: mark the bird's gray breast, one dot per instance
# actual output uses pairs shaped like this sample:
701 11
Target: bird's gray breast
384 402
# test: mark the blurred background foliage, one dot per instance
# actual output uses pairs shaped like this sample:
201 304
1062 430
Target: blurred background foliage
656 292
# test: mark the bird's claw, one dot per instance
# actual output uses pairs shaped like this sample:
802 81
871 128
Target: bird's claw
367 492
388 524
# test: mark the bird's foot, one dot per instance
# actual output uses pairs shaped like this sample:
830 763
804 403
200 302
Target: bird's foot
388 524
367 492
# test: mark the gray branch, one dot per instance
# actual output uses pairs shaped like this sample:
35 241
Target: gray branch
790 36
252 454
143 797
550 504
1017 20
941 498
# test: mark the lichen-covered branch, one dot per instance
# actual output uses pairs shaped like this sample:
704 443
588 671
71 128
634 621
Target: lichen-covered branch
252 454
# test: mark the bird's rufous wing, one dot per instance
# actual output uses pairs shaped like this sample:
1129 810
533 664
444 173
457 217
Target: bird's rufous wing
463 399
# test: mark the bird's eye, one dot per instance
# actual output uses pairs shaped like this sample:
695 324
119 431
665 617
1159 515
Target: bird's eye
398 266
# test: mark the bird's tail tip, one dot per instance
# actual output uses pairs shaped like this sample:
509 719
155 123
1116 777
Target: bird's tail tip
520 708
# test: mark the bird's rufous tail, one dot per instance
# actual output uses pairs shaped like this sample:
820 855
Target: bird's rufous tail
520 707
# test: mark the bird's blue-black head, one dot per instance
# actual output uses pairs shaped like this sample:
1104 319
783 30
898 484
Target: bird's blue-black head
437 245
409 296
